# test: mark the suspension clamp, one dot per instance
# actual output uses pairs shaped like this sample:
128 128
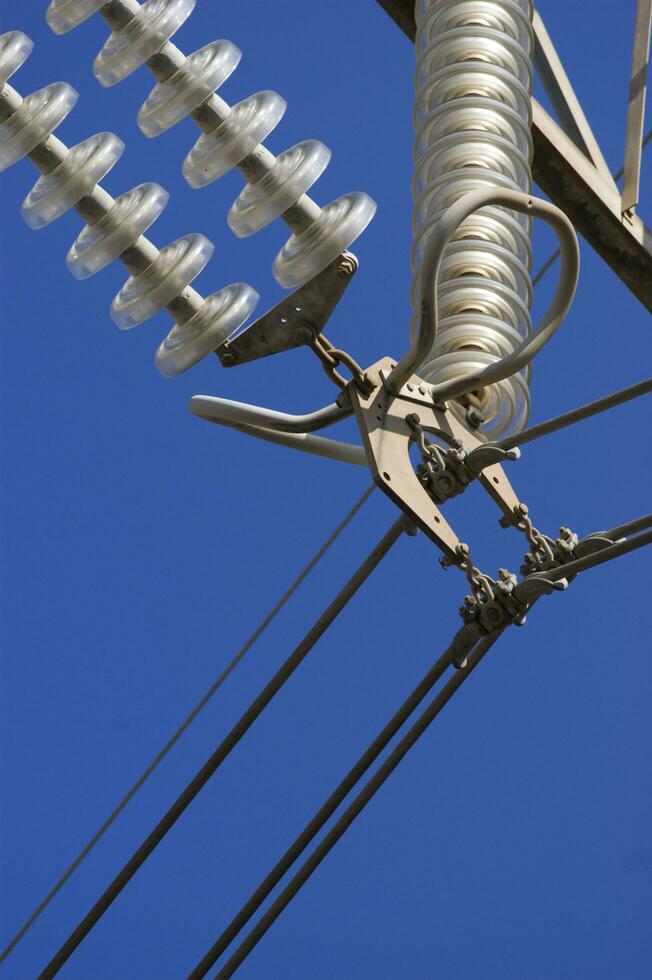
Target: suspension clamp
547 553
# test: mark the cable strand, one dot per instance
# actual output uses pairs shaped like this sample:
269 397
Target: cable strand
224 749
353 810
185 725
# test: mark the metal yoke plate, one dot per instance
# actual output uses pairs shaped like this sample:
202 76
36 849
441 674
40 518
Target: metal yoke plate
387 437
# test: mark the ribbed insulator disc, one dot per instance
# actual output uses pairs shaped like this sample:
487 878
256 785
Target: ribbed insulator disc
294 172
483 151
166 278
337 227
447 188
248 124
129 218
471 80
490 225
511 17
144 35
474 44
31 124
84 167
15 49
220 316
473 115
63 15
505 405
201 74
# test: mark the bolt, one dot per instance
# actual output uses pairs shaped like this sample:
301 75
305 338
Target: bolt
303 334
474 418
422 389
346 268
227 359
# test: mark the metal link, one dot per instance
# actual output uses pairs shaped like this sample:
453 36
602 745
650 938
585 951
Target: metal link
482 585
490 608
331 357
444 474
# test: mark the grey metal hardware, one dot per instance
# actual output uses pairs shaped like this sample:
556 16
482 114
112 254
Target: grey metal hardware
387 434
636 109
294 321
563 99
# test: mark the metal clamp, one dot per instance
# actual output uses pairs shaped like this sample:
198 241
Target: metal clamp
387 435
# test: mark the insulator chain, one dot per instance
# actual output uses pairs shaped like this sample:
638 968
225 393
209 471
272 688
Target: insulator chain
473 117
232 136
115 228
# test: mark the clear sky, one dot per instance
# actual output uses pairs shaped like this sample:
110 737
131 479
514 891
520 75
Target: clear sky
140 547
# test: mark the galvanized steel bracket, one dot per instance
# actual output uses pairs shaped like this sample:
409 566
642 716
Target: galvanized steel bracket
387 437
296 320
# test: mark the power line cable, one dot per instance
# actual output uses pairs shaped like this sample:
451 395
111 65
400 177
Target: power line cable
236 660
555 255
371 787
575 415
640 524
599 558
352 811
225 748
323 814
198 708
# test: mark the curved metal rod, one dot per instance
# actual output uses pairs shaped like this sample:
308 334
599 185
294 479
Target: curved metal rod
222 409
442 233
344 452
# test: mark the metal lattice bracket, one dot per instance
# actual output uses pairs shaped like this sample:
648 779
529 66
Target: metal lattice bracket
296 320
387 436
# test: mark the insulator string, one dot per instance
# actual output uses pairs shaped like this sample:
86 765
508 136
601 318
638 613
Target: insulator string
115 228
232 136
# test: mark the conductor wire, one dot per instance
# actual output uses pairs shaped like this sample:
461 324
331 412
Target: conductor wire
225 748
352 811
322 815
185 725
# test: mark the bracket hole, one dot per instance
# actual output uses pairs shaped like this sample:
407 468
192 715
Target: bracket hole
496 480
387 477
437 521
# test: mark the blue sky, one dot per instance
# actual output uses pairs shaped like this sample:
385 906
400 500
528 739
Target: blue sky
140 547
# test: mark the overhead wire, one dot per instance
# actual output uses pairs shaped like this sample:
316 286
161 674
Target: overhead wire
186 723
599 558
370 788
352 811
575 415
528 435
325 812
225 747
640 524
